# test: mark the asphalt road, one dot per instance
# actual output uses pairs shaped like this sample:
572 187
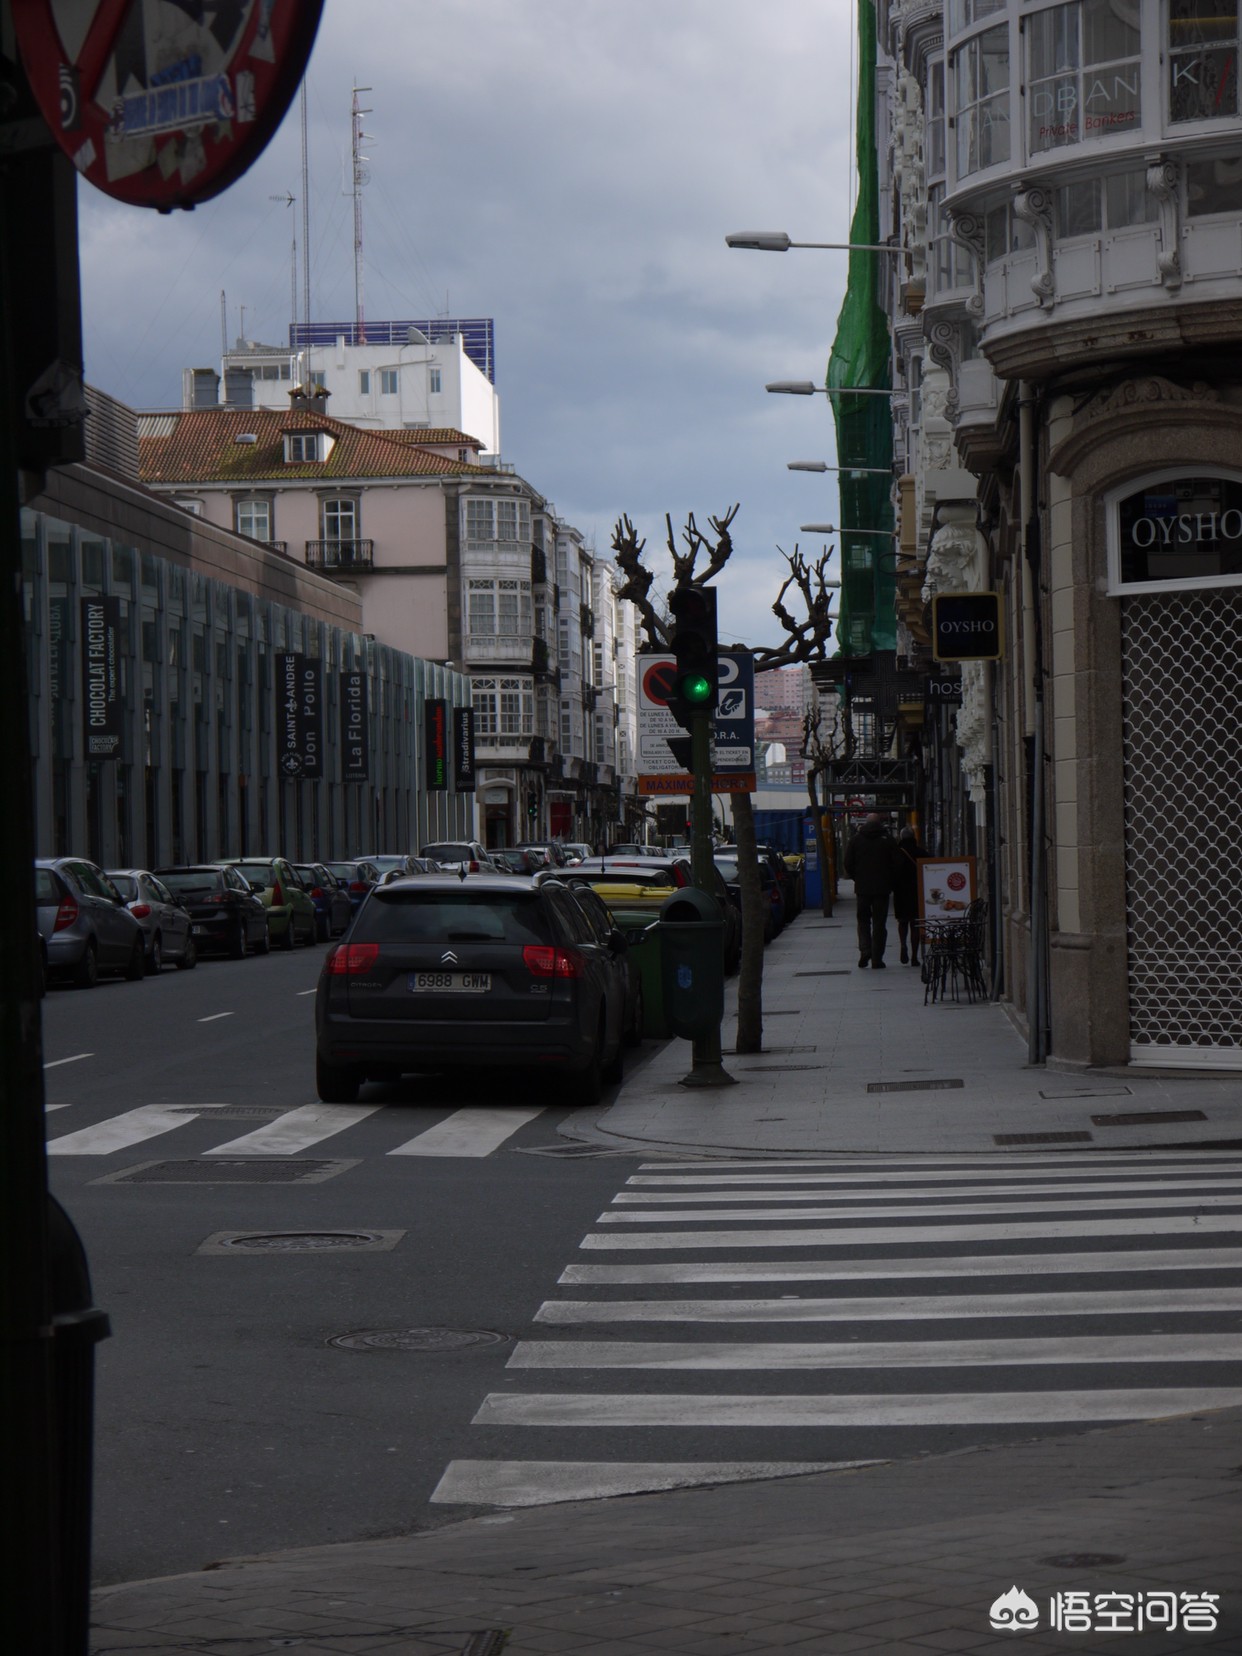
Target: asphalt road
551 1327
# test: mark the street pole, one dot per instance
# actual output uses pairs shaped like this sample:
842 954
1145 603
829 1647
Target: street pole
708 1066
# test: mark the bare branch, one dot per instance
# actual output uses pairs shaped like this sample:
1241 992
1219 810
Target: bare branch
638 578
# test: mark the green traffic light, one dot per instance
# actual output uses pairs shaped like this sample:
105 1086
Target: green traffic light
696 688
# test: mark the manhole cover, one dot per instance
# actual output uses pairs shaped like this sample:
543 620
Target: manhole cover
1082 1561
1147 1118
1041 1138
912 1086
417 1339
230 1170
302 1241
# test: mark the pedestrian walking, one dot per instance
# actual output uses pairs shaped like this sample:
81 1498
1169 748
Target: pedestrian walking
906 894
870 861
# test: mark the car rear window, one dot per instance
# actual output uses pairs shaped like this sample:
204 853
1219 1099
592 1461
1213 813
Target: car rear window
448 853
623 875
46 888
191 880
126 885
343 871
404 914
255 871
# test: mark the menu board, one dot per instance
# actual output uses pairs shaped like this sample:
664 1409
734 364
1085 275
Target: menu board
946 887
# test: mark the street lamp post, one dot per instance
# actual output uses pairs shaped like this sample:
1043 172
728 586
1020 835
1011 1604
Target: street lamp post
808 388
777 241
846 471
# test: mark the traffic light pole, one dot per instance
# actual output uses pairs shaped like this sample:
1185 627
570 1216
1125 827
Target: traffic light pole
708 1068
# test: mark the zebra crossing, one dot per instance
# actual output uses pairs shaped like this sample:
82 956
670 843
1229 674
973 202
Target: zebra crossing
1063 1291
471 1132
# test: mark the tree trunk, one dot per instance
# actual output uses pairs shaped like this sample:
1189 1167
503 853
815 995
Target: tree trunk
821 845
750 972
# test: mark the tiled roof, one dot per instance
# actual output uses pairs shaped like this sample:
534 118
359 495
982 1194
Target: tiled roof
203 448
435 434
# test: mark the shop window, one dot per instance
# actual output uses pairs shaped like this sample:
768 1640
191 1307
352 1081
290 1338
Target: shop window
1203 60
1083 68
982 100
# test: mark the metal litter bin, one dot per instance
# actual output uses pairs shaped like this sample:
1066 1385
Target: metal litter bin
691 933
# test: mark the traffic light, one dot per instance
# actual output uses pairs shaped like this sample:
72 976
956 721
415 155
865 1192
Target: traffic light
696 673
532 803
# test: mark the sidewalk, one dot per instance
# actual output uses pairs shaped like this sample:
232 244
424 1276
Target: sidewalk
891 1558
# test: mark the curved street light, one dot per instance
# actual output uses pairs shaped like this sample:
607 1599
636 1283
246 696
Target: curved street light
776 241
831 529
808 388
846 471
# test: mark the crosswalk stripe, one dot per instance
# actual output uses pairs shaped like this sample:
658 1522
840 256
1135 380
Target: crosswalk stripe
1068 1193
296 1130
519 1483
948 1188
1006 1408
898 1308
927 1210
781 1355
889 1165
55 1063
468 1133
118 1132
951 1265
1199 1224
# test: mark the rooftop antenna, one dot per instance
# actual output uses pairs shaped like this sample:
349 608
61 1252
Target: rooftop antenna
306 304
361 176
289 198
224 325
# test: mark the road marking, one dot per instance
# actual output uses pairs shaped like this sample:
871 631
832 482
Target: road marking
118 1132
296 1130
1019 1193
303 992
926 1211
1198 1224
965 1265
468 1133
215 1017
889 1165
541 1483
1015 1180
779 1355
900 1308
77 1058
1008 1408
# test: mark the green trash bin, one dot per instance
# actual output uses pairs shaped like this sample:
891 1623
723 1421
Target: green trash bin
691 934
642 939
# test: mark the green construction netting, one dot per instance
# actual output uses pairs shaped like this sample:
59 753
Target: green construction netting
860 356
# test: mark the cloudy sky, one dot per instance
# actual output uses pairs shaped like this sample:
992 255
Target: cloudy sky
570 168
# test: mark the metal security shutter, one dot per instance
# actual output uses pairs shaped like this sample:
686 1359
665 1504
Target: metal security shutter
1182 709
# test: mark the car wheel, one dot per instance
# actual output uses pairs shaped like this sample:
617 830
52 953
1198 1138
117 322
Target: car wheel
155 960
237 948
634 1034
86 972
189 956
136 970
336 1083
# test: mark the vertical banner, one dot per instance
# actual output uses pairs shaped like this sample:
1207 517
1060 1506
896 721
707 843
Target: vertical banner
463 749
102 713
436 741
299 700
58 650
355 728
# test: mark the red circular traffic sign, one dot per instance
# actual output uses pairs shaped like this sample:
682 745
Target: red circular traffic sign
659 681
164 105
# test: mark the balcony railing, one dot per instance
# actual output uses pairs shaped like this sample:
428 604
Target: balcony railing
340 556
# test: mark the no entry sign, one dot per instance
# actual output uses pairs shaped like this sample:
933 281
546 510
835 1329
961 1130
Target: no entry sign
160 104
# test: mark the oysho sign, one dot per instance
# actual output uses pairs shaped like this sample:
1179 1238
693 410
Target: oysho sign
966 626
1179 530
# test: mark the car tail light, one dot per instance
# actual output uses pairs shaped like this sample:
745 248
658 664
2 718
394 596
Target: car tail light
352 959
140 910
278 896
316 891
217 897
359 887
66 914
543 961
474 867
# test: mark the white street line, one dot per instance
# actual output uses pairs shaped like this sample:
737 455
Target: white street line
1199 1224
964 1265
302 993
542 1483
468 1133
1010 1160
596 1410
296 1130
77 1058
1012 1177
926 1211
215 1017
1018 1193
900 1308
118 1132
781 1355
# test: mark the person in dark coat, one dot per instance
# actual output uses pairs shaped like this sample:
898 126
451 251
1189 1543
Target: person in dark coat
870 859
906 894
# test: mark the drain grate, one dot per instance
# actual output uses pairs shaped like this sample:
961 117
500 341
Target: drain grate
771 1069
417 1339
912 1086
832 971
1090 1092
1146 1118
1041 1138
1082 1561
230 1112
229 1170
771 1052
569 1152
254 1242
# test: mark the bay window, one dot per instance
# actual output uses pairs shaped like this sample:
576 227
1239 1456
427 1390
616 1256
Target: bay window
981 67
1203 60
1083 73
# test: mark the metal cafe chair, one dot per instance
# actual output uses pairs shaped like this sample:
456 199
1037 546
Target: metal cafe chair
953 956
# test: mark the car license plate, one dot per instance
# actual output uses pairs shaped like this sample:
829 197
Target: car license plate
198 931
450 983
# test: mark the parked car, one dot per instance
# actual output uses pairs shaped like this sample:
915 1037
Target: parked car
774 904
394 862
359 877
446 974
165 920
84 921
409 868
454 854
641 884
333 909
785 879
603 924
552 850
290 912
512 860
577 850
225 915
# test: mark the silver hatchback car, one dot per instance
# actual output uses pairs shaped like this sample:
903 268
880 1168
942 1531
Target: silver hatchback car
164 919
83 919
